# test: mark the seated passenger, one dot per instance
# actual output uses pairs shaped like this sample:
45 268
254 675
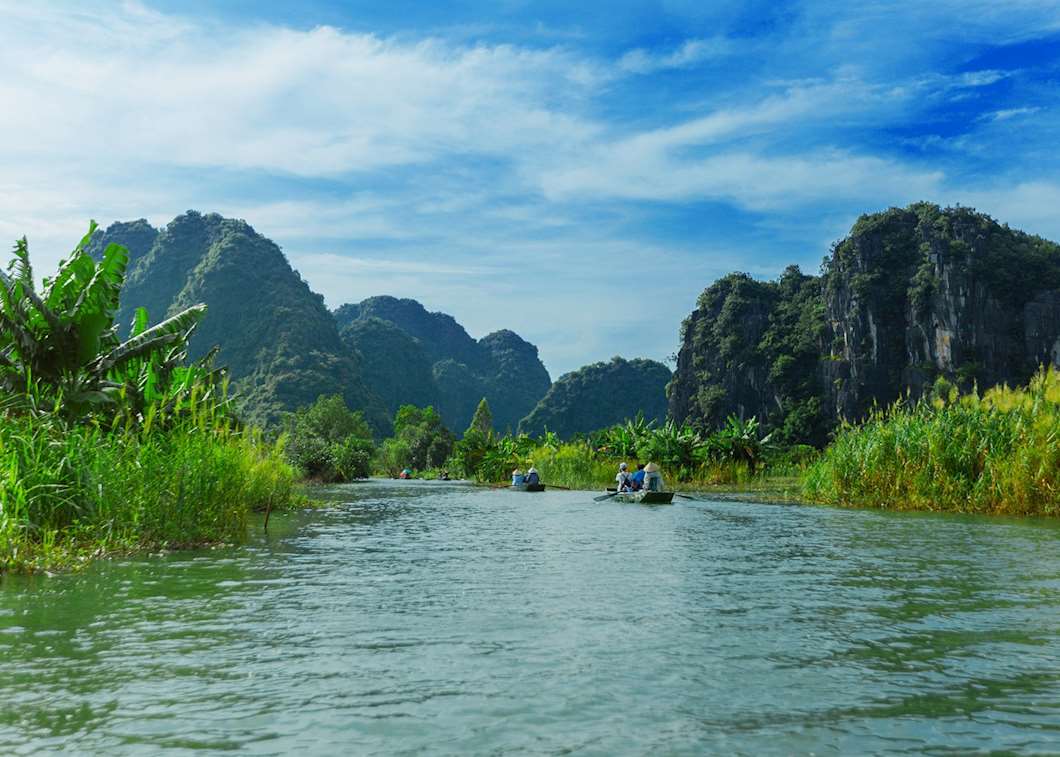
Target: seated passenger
517 478
532 479
623 478
637 479
653 480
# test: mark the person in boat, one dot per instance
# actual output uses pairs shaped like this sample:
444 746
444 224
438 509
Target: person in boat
653 480
623 478
532 479
406 473
637 479
517 478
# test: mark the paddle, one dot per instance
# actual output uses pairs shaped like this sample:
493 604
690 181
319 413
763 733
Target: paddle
685 496
606 496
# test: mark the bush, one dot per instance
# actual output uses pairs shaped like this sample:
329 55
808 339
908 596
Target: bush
330 443
999 453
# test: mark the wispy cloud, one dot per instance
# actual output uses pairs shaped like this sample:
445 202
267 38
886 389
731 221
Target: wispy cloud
690 52
1005 115
514 180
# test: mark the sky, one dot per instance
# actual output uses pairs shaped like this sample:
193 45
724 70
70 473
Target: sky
576 172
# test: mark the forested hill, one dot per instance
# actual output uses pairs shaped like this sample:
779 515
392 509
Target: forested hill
911 296
276 336
600 395
412 355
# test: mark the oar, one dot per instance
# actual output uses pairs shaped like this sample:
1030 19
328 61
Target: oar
557 486
606 496
685 496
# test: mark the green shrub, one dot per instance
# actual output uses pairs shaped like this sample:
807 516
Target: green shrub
999 453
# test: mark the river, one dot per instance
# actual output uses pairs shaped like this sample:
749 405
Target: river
446 619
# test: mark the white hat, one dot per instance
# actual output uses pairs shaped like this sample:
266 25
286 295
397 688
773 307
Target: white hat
623 466
651 468
532 469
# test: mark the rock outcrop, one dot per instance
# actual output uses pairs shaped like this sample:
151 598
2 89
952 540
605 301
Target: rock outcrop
911 295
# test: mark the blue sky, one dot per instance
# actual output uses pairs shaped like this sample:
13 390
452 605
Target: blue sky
577 172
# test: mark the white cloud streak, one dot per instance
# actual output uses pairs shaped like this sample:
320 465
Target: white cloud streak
690 53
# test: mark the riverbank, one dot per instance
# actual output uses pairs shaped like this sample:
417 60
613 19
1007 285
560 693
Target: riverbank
997 454
74 493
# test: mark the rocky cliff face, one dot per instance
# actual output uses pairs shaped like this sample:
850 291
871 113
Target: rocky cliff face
909 296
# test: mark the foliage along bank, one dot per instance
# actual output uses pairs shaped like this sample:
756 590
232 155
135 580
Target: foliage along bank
110 444
996 453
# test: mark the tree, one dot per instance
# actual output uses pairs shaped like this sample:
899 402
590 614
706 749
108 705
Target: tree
428 441
329 442
61 345
482 420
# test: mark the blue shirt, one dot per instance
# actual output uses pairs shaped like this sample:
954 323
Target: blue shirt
639 477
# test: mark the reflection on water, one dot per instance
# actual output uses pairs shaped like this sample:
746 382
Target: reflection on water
439 617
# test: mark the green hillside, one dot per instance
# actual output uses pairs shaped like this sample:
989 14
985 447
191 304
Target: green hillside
600 395
278 340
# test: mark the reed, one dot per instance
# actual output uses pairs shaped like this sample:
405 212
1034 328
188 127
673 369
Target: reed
67 492
996 453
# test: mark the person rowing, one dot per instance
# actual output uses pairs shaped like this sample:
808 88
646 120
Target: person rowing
517 478
532 478
653 480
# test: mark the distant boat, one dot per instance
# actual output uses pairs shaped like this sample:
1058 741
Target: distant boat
644 497
528 488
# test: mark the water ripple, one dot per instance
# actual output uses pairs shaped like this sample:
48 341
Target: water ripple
454 620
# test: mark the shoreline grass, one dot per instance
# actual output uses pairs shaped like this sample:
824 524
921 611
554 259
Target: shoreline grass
68 493
996 454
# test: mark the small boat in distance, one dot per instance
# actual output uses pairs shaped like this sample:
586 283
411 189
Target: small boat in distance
528 488
643 497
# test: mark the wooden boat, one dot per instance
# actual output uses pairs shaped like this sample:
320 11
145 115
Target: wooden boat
528 488
644 497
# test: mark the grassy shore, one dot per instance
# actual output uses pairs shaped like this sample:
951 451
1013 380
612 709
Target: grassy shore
72 492
998 453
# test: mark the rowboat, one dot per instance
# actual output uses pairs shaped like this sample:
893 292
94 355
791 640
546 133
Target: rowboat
528 488
644 497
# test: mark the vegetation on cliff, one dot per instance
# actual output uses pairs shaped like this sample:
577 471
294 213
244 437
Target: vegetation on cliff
911 295
410 355
108 444
601 395
277 338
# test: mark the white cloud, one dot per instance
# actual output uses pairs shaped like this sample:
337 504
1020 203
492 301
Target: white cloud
689 53
319 102
1004 115
477 176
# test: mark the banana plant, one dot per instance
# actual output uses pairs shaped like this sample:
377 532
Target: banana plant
738 440
64 340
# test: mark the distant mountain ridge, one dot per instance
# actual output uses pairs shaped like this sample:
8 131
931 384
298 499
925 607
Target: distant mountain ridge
277 338
600 395
397 339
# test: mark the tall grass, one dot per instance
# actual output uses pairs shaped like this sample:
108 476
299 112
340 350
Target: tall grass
69 491
995 453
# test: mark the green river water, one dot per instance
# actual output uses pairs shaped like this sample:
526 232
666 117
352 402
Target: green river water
441 619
